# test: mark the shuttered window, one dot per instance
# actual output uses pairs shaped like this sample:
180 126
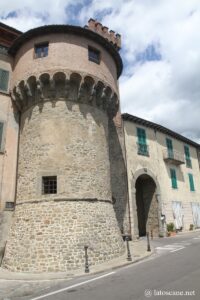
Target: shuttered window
187 156
173 178
191 182
169 148
4 77
1 136
142 145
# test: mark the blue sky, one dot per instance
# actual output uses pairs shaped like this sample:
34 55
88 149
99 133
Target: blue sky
160 50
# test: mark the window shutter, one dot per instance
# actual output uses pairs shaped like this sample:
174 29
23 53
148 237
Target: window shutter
4 76
191 181
169 148
173 178
187 152
141 136
1 134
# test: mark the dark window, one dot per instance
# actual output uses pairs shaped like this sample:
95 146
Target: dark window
9 205
1 136
49 185
94 55
41 50
4 77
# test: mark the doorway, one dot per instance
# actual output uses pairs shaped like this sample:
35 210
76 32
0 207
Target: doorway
147 205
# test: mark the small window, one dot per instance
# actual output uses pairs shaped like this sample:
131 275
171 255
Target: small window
1 136
49 185
41 50
9 206
4 78
173 178
191 182
94 55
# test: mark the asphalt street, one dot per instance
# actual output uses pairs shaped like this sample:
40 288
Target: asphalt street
173 272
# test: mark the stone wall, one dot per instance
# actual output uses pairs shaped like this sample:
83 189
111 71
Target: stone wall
68 141
119 183
50 236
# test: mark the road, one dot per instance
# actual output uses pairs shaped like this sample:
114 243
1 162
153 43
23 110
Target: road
174 268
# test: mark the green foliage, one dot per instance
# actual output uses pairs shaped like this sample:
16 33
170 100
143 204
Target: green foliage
170 227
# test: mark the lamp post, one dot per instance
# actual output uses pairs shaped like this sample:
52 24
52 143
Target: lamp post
86 260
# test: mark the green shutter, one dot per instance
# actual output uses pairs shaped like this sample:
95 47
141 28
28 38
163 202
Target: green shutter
1 134
187 156
142 145
191 181
141 136
4 76
169 148
173 178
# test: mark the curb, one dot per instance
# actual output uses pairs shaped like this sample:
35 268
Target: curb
64 276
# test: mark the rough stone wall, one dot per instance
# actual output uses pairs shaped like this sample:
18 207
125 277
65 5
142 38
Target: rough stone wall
70 141
50 236
67 140
119 174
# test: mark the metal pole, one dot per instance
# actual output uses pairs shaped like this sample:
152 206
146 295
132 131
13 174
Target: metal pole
129 258
86 260
148 242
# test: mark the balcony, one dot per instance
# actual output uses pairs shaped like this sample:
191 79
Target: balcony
173 157
143 149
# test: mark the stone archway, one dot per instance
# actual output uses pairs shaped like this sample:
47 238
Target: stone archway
146 204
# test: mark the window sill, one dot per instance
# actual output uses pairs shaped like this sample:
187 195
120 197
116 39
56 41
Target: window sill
4 93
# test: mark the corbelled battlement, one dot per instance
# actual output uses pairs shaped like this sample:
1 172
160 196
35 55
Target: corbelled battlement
70 86
97 27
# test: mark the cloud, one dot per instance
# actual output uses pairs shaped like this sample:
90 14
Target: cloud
161 51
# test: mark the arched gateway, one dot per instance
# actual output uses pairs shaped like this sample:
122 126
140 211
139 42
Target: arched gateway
147 207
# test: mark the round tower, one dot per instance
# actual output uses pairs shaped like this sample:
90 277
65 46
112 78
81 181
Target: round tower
65 88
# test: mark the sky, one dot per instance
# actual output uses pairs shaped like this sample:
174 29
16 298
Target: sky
160 51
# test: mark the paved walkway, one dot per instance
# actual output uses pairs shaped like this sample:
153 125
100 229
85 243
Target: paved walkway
20 285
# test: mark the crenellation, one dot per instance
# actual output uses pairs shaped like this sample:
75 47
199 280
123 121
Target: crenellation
97 27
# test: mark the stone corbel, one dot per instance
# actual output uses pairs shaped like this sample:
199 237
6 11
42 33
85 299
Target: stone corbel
39 89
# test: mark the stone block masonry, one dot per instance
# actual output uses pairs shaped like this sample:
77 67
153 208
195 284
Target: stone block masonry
50 236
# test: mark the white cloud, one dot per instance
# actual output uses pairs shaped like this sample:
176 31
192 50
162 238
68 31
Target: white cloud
165 91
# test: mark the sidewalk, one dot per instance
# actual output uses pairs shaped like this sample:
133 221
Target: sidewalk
19 285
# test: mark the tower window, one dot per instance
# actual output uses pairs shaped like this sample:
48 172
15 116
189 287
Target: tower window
4 78
49 185
41 50
94 55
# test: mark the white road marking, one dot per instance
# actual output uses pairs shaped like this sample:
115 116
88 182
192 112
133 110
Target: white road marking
177 249
73 286
164 248
198 238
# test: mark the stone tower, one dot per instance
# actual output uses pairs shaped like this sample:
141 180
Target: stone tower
65 88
